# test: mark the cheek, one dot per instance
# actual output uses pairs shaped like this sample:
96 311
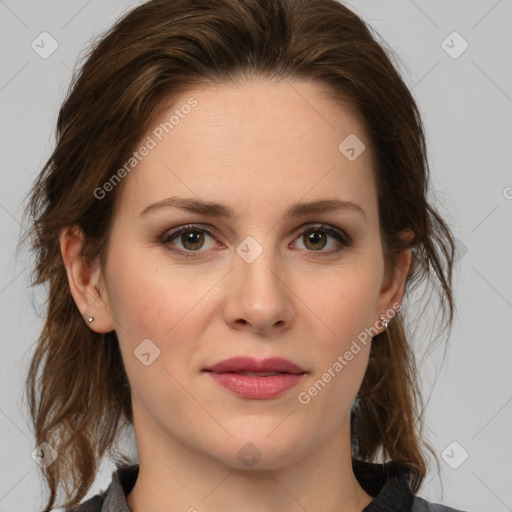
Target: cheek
348 302
346 307
152 299
147 296
343 350
135 298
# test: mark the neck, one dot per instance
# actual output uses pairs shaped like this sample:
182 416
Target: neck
180 479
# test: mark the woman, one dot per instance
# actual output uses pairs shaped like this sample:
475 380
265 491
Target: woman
234 214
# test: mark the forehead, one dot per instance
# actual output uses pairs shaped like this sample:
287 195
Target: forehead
266 140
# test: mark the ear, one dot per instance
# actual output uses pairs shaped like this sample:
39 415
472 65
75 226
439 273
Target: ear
85 281
393 285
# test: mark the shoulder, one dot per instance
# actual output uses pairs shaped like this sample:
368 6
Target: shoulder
389 484
112 499
93 504
421 505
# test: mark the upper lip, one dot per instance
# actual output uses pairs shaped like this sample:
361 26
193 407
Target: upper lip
249 364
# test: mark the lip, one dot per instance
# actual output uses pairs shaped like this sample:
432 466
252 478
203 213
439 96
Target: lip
249 364
230 374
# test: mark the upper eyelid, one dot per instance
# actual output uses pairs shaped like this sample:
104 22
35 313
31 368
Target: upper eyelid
214 232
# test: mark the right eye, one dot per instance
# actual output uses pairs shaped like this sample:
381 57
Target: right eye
191 238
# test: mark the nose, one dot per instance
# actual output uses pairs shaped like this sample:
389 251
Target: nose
259 298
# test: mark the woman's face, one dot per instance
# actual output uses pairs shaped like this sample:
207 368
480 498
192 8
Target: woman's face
257 283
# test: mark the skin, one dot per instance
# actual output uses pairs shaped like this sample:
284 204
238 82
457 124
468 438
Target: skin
257 147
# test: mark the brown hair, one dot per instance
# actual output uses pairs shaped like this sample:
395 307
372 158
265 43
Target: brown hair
78 391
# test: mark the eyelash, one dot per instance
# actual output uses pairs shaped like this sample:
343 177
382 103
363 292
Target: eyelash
168 236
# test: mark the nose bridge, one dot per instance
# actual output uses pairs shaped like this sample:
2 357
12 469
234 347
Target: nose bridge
261 298
257 260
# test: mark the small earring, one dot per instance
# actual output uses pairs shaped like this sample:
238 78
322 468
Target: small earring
384 321
90 319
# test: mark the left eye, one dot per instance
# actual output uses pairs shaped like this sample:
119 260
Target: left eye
191 238
315 238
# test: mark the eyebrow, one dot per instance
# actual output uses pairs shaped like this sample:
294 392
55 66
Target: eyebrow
221 210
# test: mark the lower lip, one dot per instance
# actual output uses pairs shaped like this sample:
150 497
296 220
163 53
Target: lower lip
255 387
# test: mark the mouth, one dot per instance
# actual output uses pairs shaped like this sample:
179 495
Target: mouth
256 374
261 368
257 380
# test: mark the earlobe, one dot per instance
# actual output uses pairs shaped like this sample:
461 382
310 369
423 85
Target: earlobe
393 288
85 281
400 276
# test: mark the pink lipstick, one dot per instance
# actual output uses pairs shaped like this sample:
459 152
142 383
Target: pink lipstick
250 378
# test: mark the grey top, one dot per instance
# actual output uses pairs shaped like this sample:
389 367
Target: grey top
387 483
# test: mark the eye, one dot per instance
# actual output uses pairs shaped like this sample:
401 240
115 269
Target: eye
315 238
191 238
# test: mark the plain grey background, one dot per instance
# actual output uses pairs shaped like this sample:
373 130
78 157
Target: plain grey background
465 95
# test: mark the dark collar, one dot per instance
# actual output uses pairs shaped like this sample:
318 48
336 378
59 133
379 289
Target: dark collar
386 483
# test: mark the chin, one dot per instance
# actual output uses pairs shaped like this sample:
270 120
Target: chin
259 451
